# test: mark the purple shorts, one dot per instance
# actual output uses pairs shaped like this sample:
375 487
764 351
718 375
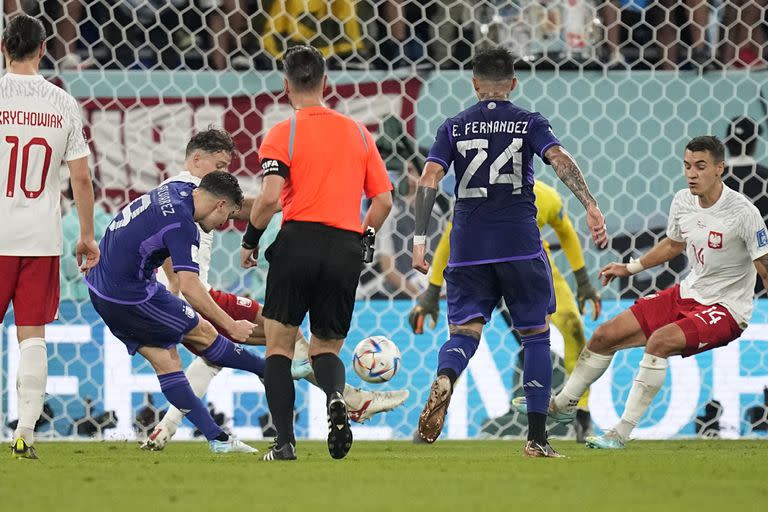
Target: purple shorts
162 321
526 285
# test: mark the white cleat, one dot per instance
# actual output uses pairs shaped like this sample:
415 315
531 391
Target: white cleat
233 445
362 404
159 437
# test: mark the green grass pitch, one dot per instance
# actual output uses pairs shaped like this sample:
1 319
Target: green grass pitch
391 476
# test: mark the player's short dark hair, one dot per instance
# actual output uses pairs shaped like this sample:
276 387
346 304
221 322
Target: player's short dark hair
23 36
304 66
708 143
211 140
224 185
495 63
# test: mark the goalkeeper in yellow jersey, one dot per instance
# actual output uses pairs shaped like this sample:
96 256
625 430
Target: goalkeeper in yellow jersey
567 318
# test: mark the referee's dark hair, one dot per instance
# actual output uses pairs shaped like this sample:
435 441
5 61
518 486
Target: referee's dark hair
494 64
22 37
224 185
304 67
211 140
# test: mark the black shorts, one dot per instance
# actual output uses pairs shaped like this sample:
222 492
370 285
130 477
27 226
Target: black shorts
315 268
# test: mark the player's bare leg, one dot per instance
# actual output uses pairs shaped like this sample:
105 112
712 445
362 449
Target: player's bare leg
664 342
30 384
453 359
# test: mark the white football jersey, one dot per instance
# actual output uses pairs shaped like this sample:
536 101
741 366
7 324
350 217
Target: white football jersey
40 127
722 243
206 239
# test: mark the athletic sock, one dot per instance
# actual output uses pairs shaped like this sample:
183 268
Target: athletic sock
199 373
454 355
280 392
177 390
589 368
330 373
649 379
537 383
30 385
223 352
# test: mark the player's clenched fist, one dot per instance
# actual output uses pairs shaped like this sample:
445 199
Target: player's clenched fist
241 330
249 257
428 306
613 270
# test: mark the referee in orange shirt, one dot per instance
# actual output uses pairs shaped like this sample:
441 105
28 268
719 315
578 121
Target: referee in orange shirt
317 164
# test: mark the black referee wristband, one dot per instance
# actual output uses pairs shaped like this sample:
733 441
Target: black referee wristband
251 237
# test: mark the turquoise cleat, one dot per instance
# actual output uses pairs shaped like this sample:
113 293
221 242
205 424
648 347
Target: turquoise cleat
233 445
301 369
521 405
611 440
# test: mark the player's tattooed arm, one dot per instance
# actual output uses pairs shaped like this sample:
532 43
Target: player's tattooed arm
569 173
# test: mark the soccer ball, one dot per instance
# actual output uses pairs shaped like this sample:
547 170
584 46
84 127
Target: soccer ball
376 359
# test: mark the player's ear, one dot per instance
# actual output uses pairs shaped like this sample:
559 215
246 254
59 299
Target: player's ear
41 52
286 86
513 84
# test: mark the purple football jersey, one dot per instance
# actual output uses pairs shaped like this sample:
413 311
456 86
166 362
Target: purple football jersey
491 146
146 232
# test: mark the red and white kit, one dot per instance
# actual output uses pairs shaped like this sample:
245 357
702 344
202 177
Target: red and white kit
713 304
40 127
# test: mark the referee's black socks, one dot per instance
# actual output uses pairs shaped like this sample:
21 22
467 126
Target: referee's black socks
278 384
329 373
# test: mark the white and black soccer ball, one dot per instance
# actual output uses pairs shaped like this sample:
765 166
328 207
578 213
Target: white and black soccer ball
376 359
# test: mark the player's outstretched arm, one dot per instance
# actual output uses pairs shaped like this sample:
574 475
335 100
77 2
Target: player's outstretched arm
200 300
426 193
569 173
660 253
86 250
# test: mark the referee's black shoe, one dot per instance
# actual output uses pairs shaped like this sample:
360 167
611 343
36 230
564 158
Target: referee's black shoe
339 433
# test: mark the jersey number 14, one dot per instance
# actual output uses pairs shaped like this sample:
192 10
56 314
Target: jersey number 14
497 175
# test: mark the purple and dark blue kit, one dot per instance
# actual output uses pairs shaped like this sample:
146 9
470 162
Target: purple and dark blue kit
123 288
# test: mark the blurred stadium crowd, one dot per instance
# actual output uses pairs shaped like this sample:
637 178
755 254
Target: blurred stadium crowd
389 34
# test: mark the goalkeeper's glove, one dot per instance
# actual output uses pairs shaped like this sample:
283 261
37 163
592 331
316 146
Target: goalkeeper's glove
586 292
428 306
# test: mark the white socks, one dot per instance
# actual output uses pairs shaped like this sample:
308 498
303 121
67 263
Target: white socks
30 385
648 381
589 368
199 373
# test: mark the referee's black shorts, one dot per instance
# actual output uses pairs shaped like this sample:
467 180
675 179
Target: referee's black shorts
315 268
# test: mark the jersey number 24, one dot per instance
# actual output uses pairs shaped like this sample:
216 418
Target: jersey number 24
510 157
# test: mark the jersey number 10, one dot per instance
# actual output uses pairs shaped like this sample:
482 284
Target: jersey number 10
14 160
511 155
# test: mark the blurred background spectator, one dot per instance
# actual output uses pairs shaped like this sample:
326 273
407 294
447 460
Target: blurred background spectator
743 34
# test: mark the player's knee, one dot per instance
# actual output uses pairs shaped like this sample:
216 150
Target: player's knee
664 343
603 340
202 335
